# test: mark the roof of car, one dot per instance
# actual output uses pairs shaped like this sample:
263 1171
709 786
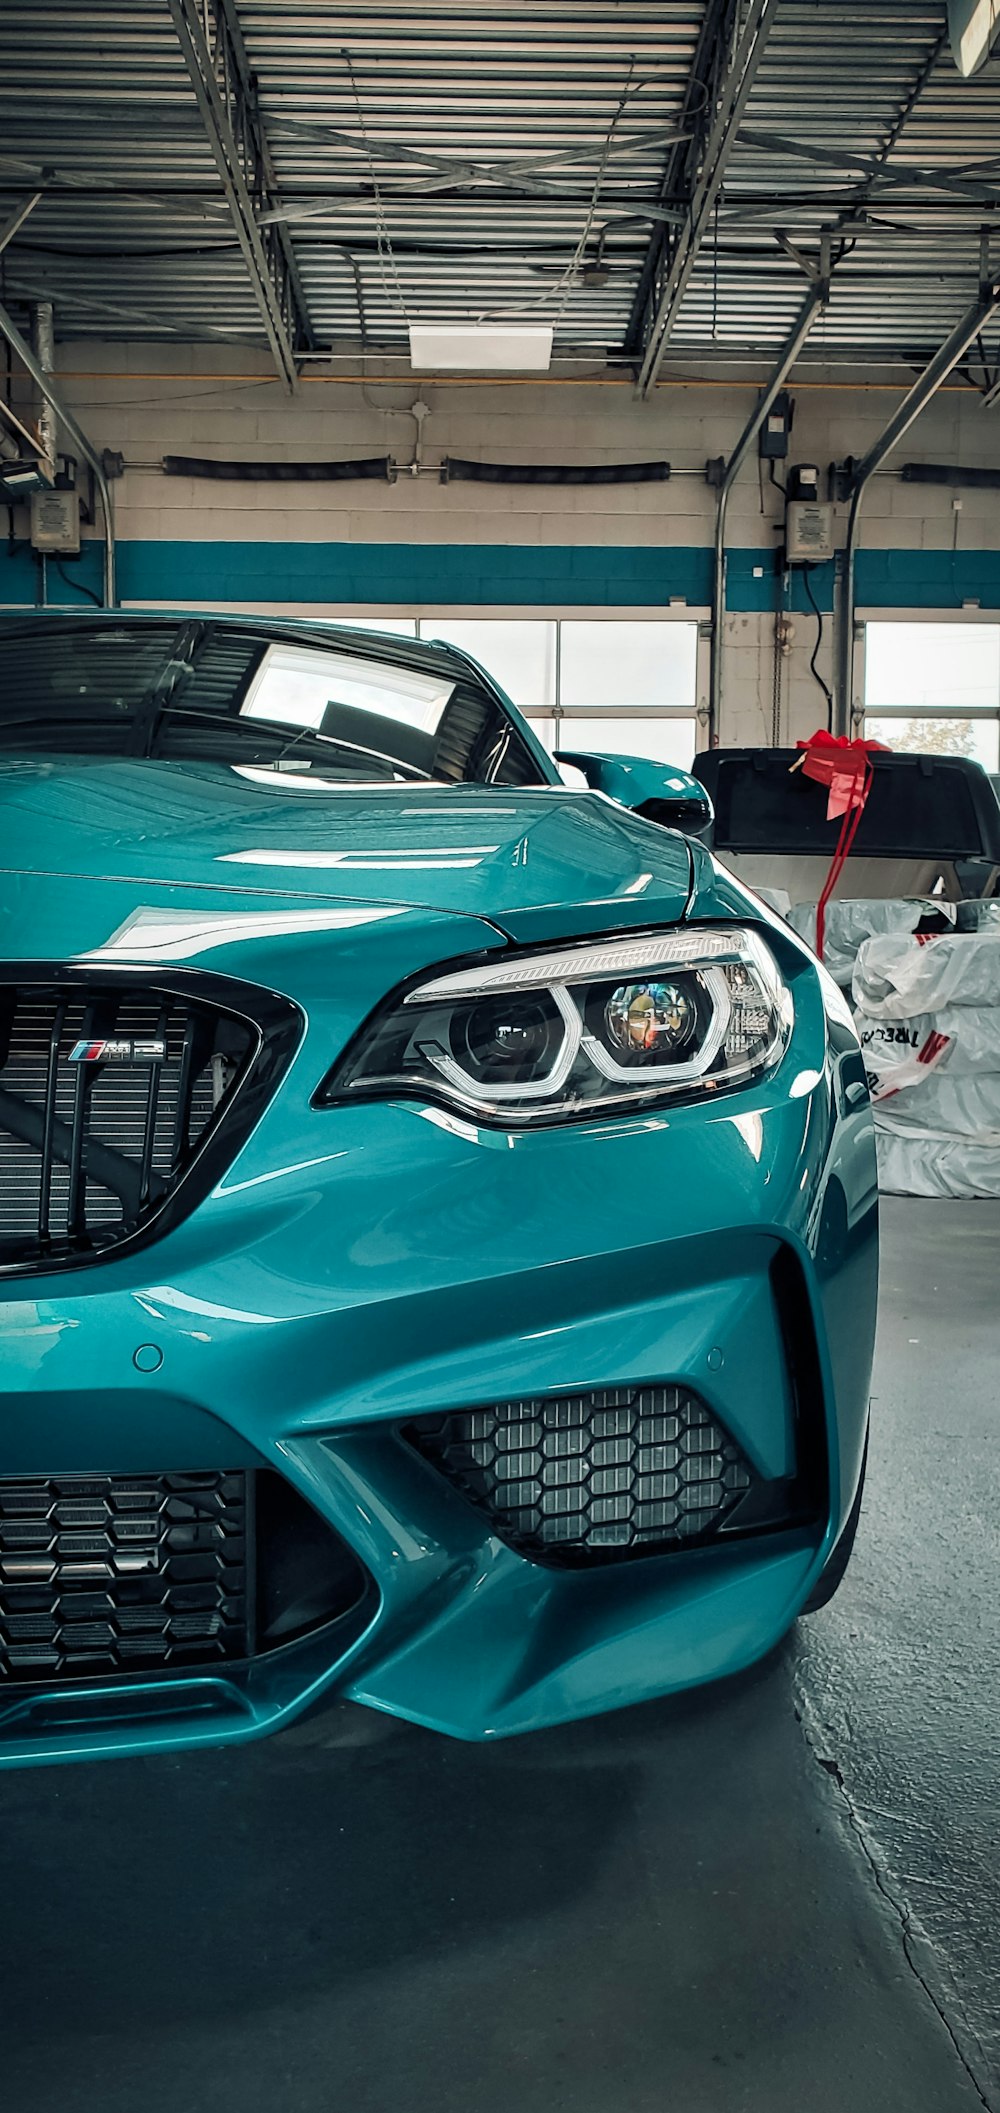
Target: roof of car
435 655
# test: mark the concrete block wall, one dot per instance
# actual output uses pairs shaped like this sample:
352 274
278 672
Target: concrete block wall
420 545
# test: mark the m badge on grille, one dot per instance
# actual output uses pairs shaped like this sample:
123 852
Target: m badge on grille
122 1049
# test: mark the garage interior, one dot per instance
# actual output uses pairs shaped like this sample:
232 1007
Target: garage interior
649 351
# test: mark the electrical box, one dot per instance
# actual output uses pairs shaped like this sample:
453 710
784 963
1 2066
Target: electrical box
803 481
55 523
808 531
776 429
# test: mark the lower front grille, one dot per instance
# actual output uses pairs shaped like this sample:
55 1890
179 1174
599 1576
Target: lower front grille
122 1573
614 1472
161 1574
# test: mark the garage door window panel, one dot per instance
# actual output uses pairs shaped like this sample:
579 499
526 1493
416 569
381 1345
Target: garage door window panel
520 655
934 688
610 665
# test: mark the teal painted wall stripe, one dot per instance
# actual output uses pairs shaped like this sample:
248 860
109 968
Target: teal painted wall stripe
479 575
476 574
927 579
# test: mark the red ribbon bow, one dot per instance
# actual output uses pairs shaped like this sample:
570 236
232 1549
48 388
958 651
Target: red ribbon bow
845 767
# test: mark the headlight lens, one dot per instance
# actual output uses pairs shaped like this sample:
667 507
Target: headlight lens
580 1030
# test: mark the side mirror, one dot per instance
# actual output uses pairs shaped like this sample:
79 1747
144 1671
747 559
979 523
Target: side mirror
657 791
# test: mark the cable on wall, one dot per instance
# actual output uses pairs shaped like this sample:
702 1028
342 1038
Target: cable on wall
78 586
813 669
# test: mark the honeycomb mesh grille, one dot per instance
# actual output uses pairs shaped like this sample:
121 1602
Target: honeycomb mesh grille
121 1574
620 1471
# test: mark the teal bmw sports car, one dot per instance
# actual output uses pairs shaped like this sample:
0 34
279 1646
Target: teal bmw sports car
437 1205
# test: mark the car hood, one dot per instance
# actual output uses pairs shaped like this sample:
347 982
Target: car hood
536 863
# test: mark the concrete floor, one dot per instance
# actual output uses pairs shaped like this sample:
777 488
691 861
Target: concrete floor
778 1894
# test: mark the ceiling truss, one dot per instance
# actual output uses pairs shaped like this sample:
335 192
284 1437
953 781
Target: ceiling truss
732 96
269 171
212 45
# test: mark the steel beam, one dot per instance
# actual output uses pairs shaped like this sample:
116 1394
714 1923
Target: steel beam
871 166
732 101
715 39
35 288
209 39
817 295
303 209
46 387
215 211
927 384
17 219
529 176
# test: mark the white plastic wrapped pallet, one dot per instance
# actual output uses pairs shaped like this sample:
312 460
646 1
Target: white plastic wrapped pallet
928 1014
895 977
854 919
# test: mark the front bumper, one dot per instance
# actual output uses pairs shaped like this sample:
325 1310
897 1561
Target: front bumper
399 1264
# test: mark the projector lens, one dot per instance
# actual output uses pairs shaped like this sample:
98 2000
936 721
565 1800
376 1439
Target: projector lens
650 1022
508 1040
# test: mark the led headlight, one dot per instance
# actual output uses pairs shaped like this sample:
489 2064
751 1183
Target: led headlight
581 1030
641 1018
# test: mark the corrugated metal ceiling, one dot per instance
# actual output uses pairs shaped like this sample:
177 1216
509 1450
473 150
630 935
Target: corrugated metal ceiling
439 161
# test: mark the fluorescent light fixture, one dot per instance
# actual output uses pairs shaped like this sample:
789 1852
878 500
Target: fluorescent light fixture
974 26
474 348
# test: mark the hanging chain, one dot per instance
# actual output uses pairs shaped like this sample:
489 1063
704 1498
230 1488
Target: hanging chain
564 285
602 169
778 669
386 253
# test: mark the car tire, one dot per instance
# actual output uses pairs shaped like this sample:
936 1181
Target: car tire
831 1578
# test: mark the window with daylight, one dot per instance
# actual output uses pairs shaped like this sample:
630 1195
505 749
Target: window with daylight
521 656
591 684
935 688
612 685
629 689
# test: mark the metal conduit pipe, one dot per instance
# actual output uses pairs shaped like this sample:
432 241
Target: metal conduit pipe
45 344
926 385
45 384
816 298
43 322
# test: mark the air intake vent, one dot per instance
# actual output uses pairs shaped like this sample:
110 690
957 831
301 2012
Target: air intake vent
153 1574
109 1095
617 1472
121 1573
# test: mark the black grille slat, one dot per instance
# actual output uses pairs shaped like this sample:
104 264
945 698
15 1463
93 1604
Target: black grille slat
613 1472
149 1139
76 1223
91 1150
48 1132
85 1611
185 1083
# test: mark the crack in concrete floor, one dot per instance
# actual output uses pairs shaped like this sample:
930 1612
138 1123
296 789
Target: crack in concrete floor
897 1681
922 1955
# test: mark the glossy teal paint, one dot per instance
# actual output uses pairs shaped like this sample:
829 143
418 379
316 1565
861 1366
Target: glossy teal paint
507 854
499 575
360 1264
635 781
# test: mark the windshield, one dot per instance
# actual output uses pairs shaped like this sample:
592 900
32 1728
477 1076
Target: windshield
244 695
